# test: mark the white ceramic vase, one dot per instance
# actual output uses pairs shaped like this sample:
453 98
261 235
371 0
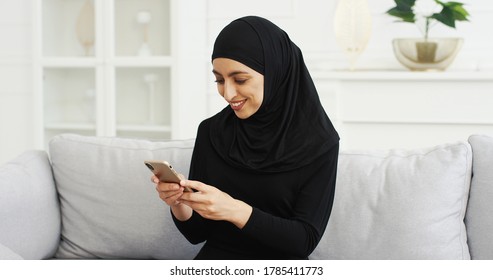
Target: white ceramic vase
352 27
85 27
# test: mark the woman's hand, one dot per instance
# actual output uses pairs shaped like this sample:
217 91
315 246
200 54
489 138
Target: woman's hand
213 204
170 193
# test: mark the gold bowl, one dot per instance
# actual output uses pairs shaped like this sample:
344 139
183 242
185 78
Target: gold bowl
432 54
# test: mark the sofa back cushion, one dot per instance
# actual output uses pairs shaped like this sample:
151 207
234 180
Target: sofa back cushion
110 208
29 210
479 217
400 204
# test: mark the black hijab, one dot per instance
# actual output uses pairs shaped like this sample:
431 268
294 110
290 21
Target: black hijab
291 128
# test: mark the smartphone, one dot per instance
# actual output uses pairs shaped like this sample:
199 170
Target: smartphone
164 171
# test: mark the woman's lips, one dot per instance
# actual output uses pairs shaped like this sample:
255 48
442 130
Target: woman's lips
237 105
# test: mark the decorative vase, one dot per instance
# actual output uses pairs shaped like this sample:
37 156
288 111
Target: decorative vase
432 54
143 18
85 26
352 26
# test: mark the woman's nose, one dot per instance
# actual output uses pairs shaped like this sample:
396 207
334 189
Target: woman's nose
229 92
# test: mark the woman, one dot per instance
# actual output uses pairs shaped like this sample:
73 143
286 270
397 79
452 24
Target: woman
263 169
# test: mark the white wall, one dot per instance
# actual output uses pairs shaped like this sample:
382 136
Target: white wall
15 78
309 23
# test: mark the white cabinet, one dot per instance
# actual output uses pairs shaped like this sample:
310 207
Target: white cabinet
403 109
109 68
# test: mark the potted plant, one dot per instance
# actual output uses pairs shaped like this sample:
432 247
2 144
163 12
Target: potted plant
427 53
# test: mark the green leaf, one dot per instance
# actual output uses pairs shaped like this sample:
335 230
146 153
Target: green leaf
459 13
446 16
403 10
406 16
451 4
405 4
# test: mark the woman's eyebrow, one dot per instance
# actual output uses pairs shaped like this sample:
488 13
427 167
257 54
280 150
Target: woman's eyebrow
231 73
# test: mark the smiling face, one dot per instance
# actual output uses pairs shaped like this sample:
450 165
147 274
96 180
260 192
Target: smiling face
241 86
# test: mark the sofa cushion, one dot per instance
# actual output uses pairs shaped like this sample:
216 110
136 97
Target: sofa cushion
479 218
400 204
29 211
110 208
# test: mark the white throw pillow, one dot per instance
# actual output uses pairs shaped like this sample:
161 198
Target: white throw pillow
110 208
400 204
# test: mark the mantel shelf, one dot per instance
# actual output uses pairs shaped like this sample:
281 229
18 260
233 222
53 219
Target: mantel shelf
378 109
392 75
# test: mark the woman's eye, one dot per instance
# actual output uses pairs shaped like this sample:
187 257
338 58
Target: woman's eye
240 82
219 81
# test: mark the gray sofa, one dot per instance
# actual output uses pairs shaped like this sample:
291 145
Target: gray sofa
91 197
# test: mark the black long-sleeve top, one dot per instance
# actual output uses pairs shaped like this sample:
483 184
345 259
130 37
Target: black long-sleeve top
290 209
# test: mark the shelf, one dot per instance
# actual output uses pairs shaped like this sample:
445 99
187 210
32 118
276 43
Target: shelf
12 60
382 75
151 61
144 128
70 126
69 62
112 85
124 127
84 62
418 122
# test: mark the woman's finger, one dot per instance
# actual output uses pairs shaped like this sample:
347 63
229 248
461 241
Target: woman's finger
163 187
154 179
195 185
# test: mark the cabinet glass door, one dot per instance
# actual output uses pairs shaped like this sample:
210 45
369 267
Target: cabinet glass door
68 28
69 101
142 28
143 102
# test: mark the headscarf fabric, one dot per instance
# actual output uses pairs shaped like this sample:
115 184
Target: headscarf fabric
290 129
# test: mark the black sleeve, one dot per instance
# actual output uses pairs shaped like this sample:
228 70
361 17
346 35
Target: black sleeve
311 214
192 228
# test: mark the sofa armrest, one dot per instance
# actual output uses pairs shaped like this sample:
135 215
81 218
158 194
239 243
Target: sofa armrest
29 208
